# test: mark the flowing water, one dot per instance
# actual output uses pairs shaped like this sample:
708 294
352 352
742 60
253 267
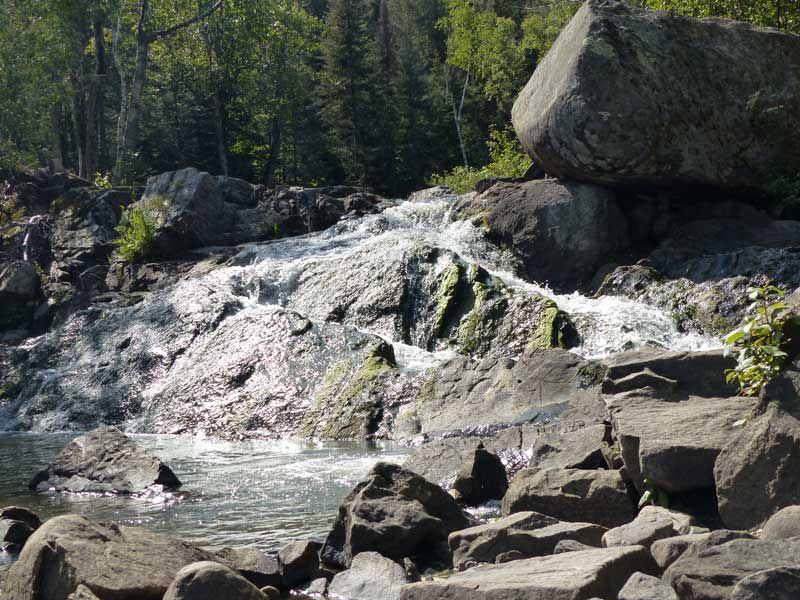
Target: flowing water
262 493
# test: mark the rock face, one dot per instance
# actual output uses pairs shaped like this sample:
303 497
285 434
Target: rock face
599 496
482 478
561 232
529 534
370 576
394 512
757 472
104 461
112 562
211 581
19 292
600 573
673 414
578 118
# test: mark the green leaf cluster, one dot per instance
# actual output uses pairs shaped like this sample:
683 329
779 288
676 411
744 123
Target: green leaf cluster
137 228
759 342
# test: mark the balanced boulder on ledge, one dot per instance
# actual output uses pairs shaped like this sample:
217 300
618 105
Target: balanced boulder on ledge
104 461
634 96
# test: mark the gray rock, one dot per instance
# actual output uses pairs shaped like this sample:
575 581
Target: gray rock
562 232
667 551
82 593
19 513
564 546
104 461
113 562
599 496
393 512
709 570
14 533
482 478
318 586
577 119
529 533
510 556
211 581
773 584
758 472
670 425
251 563
646 587
578 449
600 573
653 523
272 593
783 525
19 293
299 561
370 576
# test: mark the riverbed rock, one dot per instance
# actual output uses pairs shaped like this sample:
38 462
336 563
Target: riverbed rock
113 562
668 550
601 573
251 563
758 471
577 118
653 523
392 511
783 525
599 496
104 461
211 581
482 478
782 583
646 587
370 576
299 561
528 533
561 232
672 416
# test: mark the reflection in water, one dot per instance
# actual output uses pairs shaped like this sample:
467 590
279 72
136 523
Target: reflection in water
234 493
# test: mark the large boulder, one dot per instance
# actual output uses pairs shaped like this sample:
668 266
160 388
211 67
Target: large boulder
370 576
211 581
114 563
299 561
104 461
598 496
482 478
560 231
782 583
633 96
574 575
527 533
758 471
251 563
395 512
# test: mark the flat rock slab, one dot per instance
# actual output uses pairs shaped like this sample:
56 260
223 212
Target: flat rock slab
623 97
104 461
571 576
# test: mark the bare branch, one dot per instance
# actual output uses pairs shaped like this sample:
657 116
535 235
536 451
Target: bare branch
157 35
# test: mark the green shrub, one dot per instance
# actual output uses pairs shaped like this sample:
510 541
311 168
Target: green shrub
137 228
102 181
760 340
507 160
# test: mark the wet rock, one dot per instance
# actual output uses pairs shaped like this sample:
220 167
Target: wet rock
19 293
783 525
493 394
529 533
482 478
20 513
251 563
672 416
773 584
667 551
14 534
646 587
711 568
585 574
318 586
576 122
758 471
299 561
564 546
560 231
393 512
370 576
113 562
211 581
599 496
104 461
653 523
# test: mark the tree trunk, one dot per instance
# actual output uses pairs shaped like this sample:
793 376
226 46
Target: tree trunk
56 154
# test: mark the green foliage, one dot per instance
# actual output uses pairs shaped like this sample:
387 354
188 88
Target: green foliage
760 340
785 188
653 496
137 228
543 26
10 211
507 160
784 14
102 181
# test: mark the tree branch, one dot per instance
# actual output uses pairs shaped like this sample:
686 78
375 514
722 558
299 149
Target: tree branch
157 35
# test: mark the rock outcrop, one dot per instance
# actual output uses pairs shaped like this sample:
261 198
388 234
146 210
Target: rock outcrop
617 101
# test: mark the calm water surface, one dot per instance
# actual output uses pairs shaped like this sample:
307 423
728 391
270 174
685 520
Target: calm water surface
234 493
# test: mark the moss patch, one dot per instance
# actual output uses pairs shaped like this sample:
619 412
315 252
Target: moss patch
447 293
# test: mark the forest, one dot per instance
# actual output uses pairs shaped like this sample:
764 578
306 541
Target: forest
381 93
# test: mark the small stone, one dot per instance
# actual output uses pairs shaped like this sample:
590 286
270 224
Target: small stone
646 587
